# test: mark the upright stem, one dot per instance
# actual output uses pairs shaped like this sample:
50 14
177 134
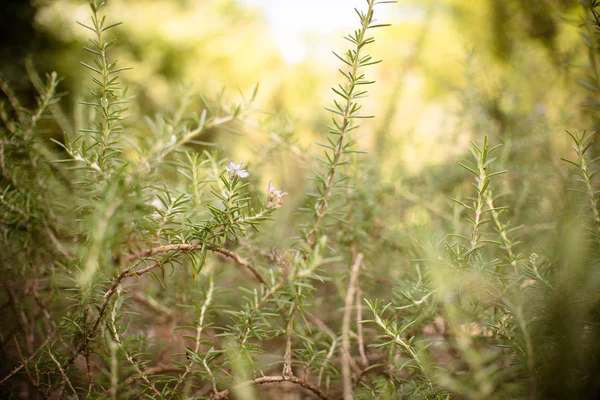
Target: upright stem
345 126
346 378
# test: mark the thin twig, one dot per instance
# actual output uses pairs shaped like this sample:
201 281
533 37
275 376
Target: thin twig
159 369
62 372
55 240
350 294
271 379
270 292
334 341
57 113
197 246
359 327
153 304
323 326
117 338
14 101
35 384
25 361
405 346
86 353
47 316
199 328
46 96
287 358
105 301
328 357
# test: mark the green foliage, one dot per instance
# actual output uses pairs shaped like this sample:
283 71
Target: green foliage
138 261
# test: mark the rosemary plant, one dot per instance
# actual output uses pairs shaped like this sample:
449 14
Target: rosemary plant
135 263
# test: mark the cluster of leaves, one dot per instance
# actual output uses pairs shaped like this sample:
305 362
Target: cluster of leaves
117 253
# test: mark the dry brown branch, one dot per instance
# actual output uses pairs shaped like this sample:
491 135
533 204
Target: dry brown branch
271 379
35 383
197 246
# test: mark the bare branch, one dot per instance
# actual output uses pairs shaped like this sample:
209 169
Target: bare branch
191 247
271 379
35 383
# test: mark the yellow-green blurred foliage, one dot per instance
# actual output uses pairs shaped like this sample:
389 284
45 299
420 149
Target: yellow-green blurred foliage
452 71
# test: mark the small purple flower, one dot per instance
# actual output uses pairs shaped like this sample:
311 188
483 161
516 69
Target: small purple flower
274 196
236 169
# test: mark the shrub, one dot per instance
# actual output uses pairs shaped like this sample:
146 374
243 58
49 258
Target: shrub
136 263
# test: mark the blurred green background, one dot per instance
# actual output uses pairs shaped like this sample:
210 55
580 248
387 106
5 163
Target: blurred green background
452 71
448 64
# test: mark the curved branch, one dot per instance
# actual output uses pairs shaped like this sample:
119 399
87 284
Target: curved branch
191 247
222 395
131 271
